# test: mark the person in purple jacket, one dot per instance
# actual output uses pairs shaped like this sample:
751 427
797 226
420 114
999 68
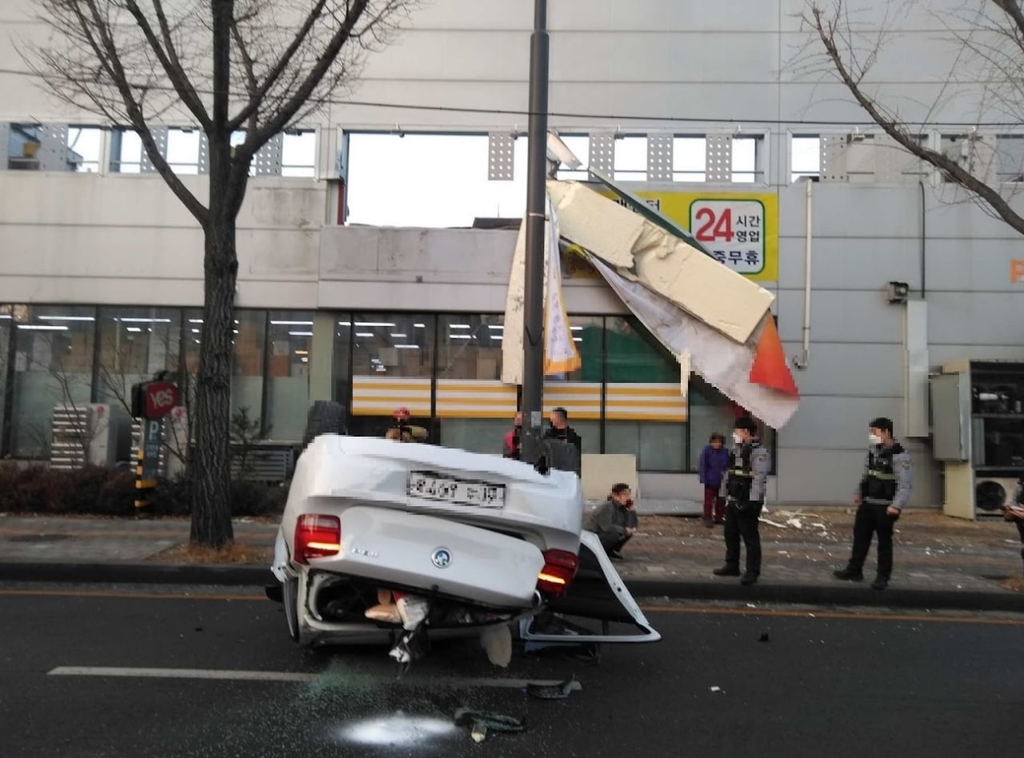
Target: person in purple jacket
714 460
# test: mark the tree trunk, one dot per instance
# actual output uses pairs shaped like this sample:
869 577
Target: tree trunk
211 460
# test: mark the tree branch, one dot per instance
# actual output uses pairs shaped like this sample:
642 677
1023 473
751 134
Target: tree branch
827 34
96 30
169 59
257 96
287 110
1012 9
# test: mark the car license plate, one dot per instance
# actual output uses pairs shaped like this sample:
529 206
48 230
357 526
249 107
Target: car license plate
448 489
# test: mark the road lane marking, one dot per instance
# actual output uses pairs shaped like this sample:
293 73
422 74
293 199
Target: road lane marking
286 676
264 676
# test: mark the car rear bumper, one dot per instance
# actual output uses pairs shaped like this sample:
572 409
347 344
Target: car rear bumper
438 555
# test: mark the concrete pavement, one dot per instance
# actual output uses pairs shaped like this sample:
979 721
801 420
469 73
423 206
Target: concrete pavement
940 562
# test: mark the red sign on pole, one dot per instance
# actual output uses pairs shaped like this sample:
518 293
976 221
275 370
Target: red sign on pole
161 397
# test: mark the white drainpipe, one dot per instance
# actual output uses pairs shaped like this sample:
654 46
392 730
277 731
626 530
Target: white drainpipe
803 360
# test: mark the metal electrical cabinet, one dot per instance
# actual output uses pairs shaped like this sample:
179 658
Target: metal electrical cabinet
978 432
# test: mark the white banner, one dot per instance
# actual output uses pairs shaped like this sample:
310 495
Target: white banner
560 353
720 360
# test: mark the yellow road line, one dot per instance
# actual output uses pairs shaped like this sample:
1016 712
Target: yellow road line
834 615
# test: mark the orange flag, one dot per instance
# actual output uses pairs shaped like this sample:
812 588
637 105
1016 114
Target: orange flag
769 368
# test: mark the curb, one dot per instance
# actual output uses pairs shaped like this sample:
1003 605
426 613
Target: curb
141 573
795 594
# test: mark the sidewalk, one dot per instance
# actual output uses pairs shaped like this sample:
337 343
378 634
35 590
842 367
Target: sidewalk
940 562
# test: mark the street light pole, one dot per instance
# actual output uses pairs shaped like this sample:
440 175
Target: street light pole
536 195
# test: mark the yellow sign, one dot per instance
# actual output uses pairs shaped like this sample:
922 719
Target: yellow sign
741 229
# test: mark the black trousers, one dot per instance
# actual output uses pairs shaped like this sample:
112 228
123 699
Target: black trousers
872 519
743 523
611 543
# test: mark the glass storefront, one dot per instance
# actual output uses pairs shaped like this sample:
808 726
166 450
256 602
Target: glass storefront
446 368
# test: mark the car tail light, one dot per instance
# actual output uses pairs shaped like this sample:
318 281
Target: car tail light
317 536
559 569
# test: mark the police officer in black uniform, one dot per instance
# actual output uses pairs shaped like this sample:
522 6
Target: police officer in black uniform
883 493
745 484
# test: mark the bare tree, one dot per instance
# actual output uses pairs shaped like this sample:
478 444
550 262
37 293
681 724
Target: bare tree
990 37
228 66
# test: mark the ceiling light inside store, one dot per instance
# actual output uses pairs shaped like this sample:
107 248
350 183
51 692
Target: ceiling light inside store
291 323
300 334
43 327
364 334
65 318
382 324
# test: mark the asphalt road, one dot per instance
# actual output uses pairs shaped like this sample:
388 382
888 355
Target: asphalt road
836 684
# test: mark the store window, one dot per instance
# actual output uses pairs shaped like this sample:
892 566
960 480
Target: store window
645 413
474 408
53 369
392 366
343 360
291 347
135 344
247 365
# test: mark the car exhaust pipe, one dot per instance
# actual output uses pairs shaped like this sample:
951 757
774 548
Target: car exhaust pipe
538 599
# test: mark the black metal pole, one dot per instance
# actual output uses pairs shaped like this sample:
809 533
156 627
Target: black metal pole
536 195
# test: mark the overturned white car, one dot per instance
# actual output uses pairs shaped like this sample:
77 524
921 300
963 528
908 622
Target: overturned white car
385 541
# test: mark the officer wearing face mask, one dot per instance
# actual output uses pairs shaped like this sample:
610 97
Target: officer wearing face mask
745 485
883 493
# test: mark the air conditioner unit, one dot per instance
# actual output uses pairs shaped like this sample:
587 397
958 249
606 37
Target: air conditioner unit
990 494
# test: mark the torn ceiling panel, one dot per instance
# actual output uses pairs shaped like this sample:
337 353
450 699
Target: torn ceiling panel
663 262
721 361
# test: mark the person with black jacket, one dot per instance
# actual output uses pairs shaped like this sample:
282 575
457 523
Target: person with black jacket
560 430
615 521
745 485
881 496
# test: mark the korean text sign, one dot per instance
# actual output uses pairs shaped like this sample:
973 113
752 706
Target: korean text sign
740 229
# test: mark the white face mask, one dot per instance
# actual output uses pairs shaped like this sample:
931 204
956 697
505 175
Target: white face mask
737 438
874 439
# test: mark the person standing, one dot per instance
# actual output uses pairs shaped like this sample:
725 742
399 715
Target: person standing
560 429
1014 511
883 493
513 444
746 482
714 460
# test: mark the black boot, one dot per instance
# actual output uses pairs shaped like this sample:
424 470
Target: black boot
880 583
727 570
748 579
849 574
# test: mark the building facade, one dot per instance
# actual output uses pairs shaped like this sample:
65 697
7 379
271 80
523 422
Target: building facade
101 267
